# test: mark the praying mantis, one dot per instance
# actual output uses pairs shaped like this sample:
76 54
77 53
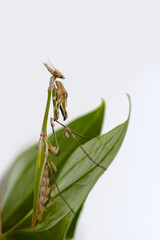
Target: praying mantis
45 166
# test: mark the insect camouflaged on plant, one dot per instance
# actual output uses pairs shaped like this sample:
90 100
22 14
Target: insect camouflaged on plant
45 166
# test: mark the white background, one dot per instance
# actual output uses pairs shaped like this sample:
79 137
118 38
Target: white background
104 49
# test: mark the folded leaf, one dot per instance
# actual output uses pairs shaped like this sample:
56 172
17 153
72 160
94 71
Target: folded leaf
76 178
18 182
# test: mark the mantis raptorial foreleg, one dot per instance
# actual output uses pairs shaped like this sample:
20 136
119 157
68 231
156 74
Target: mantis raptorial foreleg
61 99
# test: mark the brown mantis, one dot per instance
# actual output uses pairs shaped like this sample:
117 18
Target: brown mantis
45 166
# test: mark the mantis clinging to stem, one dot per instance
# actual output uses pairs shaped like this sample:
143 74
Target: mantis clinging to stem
45 166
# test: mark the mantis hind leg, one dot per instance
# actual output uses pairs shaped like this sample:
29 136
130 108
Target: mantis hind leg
59 191
76 140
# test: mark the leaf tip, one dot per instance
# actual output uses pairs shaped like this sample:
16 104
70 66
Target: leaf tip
103 105
103 102
129 99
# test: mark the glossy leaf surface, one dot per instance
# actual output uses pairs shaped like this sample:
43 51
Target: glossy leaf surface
18 182
76 177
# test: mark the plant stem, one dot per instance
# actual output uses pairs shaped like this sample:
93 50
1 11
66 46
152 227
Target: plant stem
45 119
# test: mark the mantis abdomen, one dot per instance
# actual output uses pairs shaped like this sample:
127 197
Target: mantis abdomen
44 193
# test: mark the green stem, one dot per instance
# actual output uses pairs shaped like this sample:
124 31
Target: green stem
45 119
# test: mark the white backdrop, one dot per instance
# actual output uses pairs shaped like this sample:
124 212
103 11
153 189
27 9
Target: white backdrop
104 49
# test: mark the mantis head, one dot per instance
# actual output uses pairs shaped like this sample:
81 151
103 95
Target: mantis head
55 72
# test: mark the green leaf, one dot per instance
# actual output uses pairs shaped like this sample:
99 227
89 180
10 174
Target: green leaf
18 182
76 178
